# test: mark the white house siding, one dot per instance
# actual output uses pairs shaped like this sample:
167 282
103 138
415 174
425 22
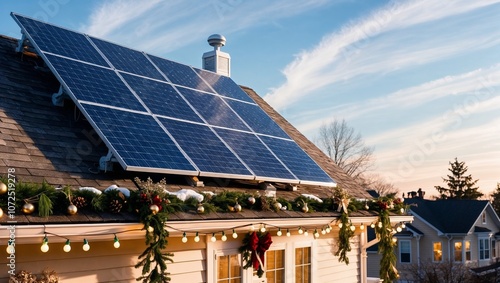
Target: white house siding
329 268
104 263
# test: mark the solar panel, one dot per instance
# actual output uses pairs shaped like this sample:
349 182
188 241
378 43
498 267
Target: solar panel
296 160
213 109
257 119
94 84
180 74
138 140
60 41
224 86
254 153
156 115
161 98
206 150
126 59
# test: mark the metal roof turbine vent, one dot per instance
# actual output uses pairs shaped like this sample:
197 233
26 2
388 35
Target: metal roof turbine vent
216 60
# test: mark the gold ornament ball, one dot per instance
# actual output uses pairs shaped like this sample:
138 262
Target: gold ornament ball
3 188
154 208
72 209
28 208
251 200
200 209
237 207
1 212
278 205
305 209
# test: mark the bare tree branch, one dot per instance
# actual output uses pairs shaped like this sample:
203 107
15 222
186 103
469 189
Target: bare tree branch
345 147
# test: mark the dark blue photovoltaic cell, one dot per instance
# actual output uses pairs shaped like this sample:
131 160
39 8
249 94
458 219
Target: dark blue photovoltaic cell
180 74
138 139
213 109
257 119
296 160
224 86
206 150
94 84
161 98
61 41
253 152
127 59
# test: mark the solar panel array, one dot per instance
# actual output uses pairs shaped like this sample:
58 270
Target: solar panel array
156 115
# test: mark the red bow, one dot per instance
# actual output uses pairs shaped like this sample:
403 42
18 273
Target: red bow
259 246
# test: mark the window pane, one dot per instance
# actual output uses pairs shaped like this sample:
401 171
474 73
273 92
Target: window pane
235 280
438 252
223 267
307 255
298 274
280 276
298 256
280 263
270 259
235 266
307 274
458 251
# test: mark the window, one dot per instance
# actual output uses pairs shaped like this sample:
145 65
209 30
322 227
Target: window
467 251
484 249
483 217
457 249
493 249
275 266
438 251
303 265
404 251
229 269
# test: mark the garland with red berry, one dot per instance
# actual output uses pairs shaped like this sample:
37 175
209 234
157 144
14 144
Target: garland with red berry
255 245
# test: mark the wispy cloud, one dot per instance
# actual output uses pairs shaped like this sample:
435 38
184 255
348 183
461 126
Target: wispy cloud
356 50
150 25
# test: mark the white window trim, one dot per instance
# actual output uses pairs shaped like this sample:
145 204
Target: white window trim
465 250
488 240
220 248
399 248
441 251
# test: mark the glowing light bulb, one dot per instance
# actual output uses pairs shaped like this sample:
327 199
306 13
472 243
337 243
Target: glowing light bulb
235 235
340 225
67 247
150 229
316 234
86 246
10 248
328 229
362 227
403 225
213 239
288 233
263 228
306 233
301 231
399 229
323 231
379 225
184 238
372 225
116 242
224 237
279 233
197 237
394 240
45 245
353 228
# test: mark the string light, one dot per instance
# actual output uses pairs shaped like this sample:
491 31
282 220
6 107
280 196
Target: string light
10 247
372 225
45 245
323 231
150 229
288 233
394 240
362 227
263 228
197 237
279 232
235 235
224 237
403 225
306 233
116 242
67 247
213 239
328 229
340 224
379 225
316 234
301 231
398 229
86 246
353 228
184 238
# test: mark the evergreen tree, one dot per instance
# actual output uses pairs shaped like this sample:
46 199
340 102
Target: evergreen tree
495 199
460 186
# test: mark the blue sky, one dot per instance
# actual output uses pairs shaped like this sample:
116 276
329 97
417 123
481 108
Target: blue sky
418 79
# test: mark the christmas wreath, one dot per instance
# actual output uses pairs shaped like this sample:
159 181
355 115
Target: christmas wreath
253 251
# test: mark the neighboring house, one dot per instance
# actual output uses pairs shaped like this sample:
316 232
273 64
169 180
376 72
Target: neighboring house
43 142
459 231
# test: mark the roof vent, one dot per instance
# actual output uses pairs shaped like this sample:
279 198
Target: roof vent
216 60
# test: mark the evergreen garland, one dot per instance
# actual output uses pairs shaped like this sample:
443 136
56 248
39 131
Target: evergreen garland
388 271
345 235
44 205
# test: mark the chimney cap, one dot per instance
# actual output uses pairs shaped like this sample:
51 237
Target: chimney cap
216 40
